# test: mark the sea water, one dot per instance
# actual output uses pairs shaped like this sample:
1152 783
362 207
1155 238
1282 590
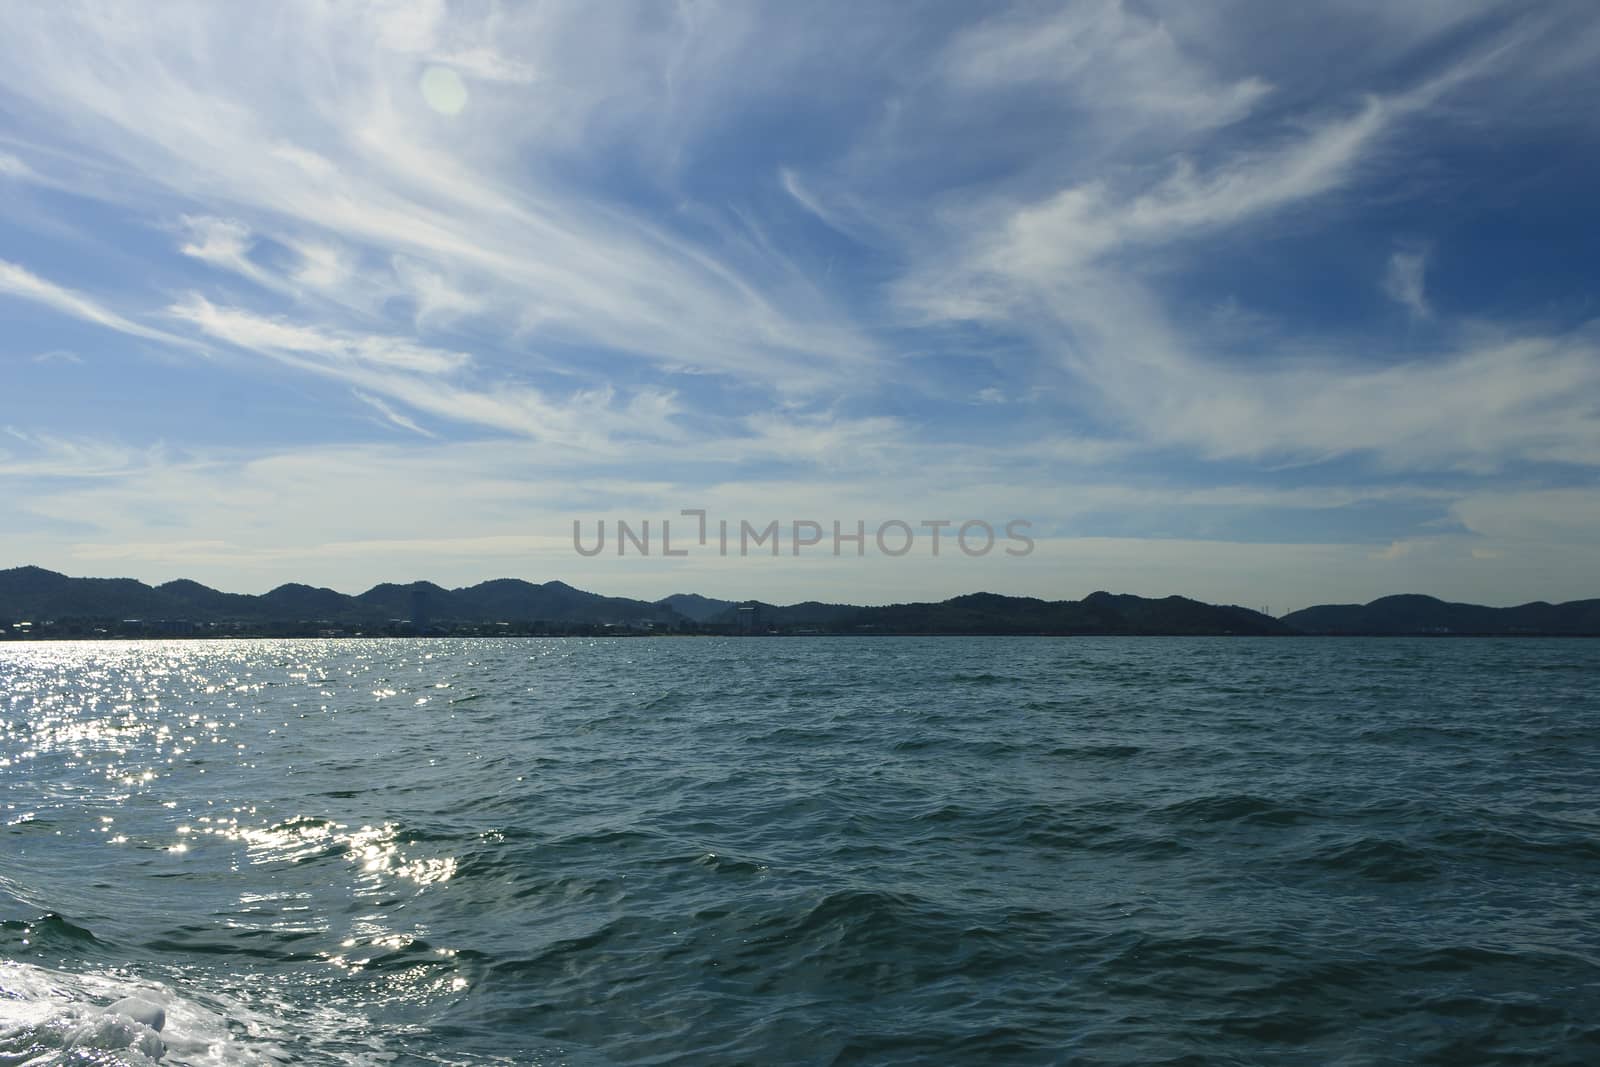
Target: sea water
802 851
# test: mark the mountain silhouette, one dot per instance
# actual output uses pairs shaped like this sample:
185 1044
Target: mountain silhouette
90 605
1413 613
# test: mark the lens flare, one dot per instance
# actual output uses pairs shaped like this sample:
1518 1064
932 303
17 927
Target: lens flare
444 90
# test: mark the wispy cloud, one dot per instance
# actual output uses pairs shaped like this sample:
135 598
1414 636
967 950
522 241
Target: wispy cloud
1014 256
226 245
437 299
430 380
1126 268
1069 270
391 415
263 334
352 159
18 282
1404 282
58 355
1493 401
45 455
12 167
1127 60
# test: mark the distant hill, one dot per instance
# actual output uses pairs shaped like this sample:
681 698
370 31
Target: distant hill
1103 613
993 613
1413 613
32 593
29 591
808 614
696 607
104 605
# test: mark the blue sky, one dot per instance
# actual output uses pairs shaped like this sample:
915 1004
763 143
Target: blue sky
1271 304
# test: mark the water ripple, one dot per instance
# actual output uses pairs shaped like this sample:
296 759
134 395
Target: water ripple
885 851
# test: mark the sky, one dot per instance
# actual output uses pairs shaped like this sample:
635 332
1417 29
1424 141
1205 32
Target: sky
1258 303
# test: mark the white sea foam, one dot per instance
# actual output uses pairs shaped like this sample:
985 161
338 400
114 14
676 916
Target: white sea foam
53 1017
47 1016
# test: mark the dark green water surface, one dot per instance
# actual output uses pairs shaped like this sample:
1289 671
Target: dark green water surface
802 851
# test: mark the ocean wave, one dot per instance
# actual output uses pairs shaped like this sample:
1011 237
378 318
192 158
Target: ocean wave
898 851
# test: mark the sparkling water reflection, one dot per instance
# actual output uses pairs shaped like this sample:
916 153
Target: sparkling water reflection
802 851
